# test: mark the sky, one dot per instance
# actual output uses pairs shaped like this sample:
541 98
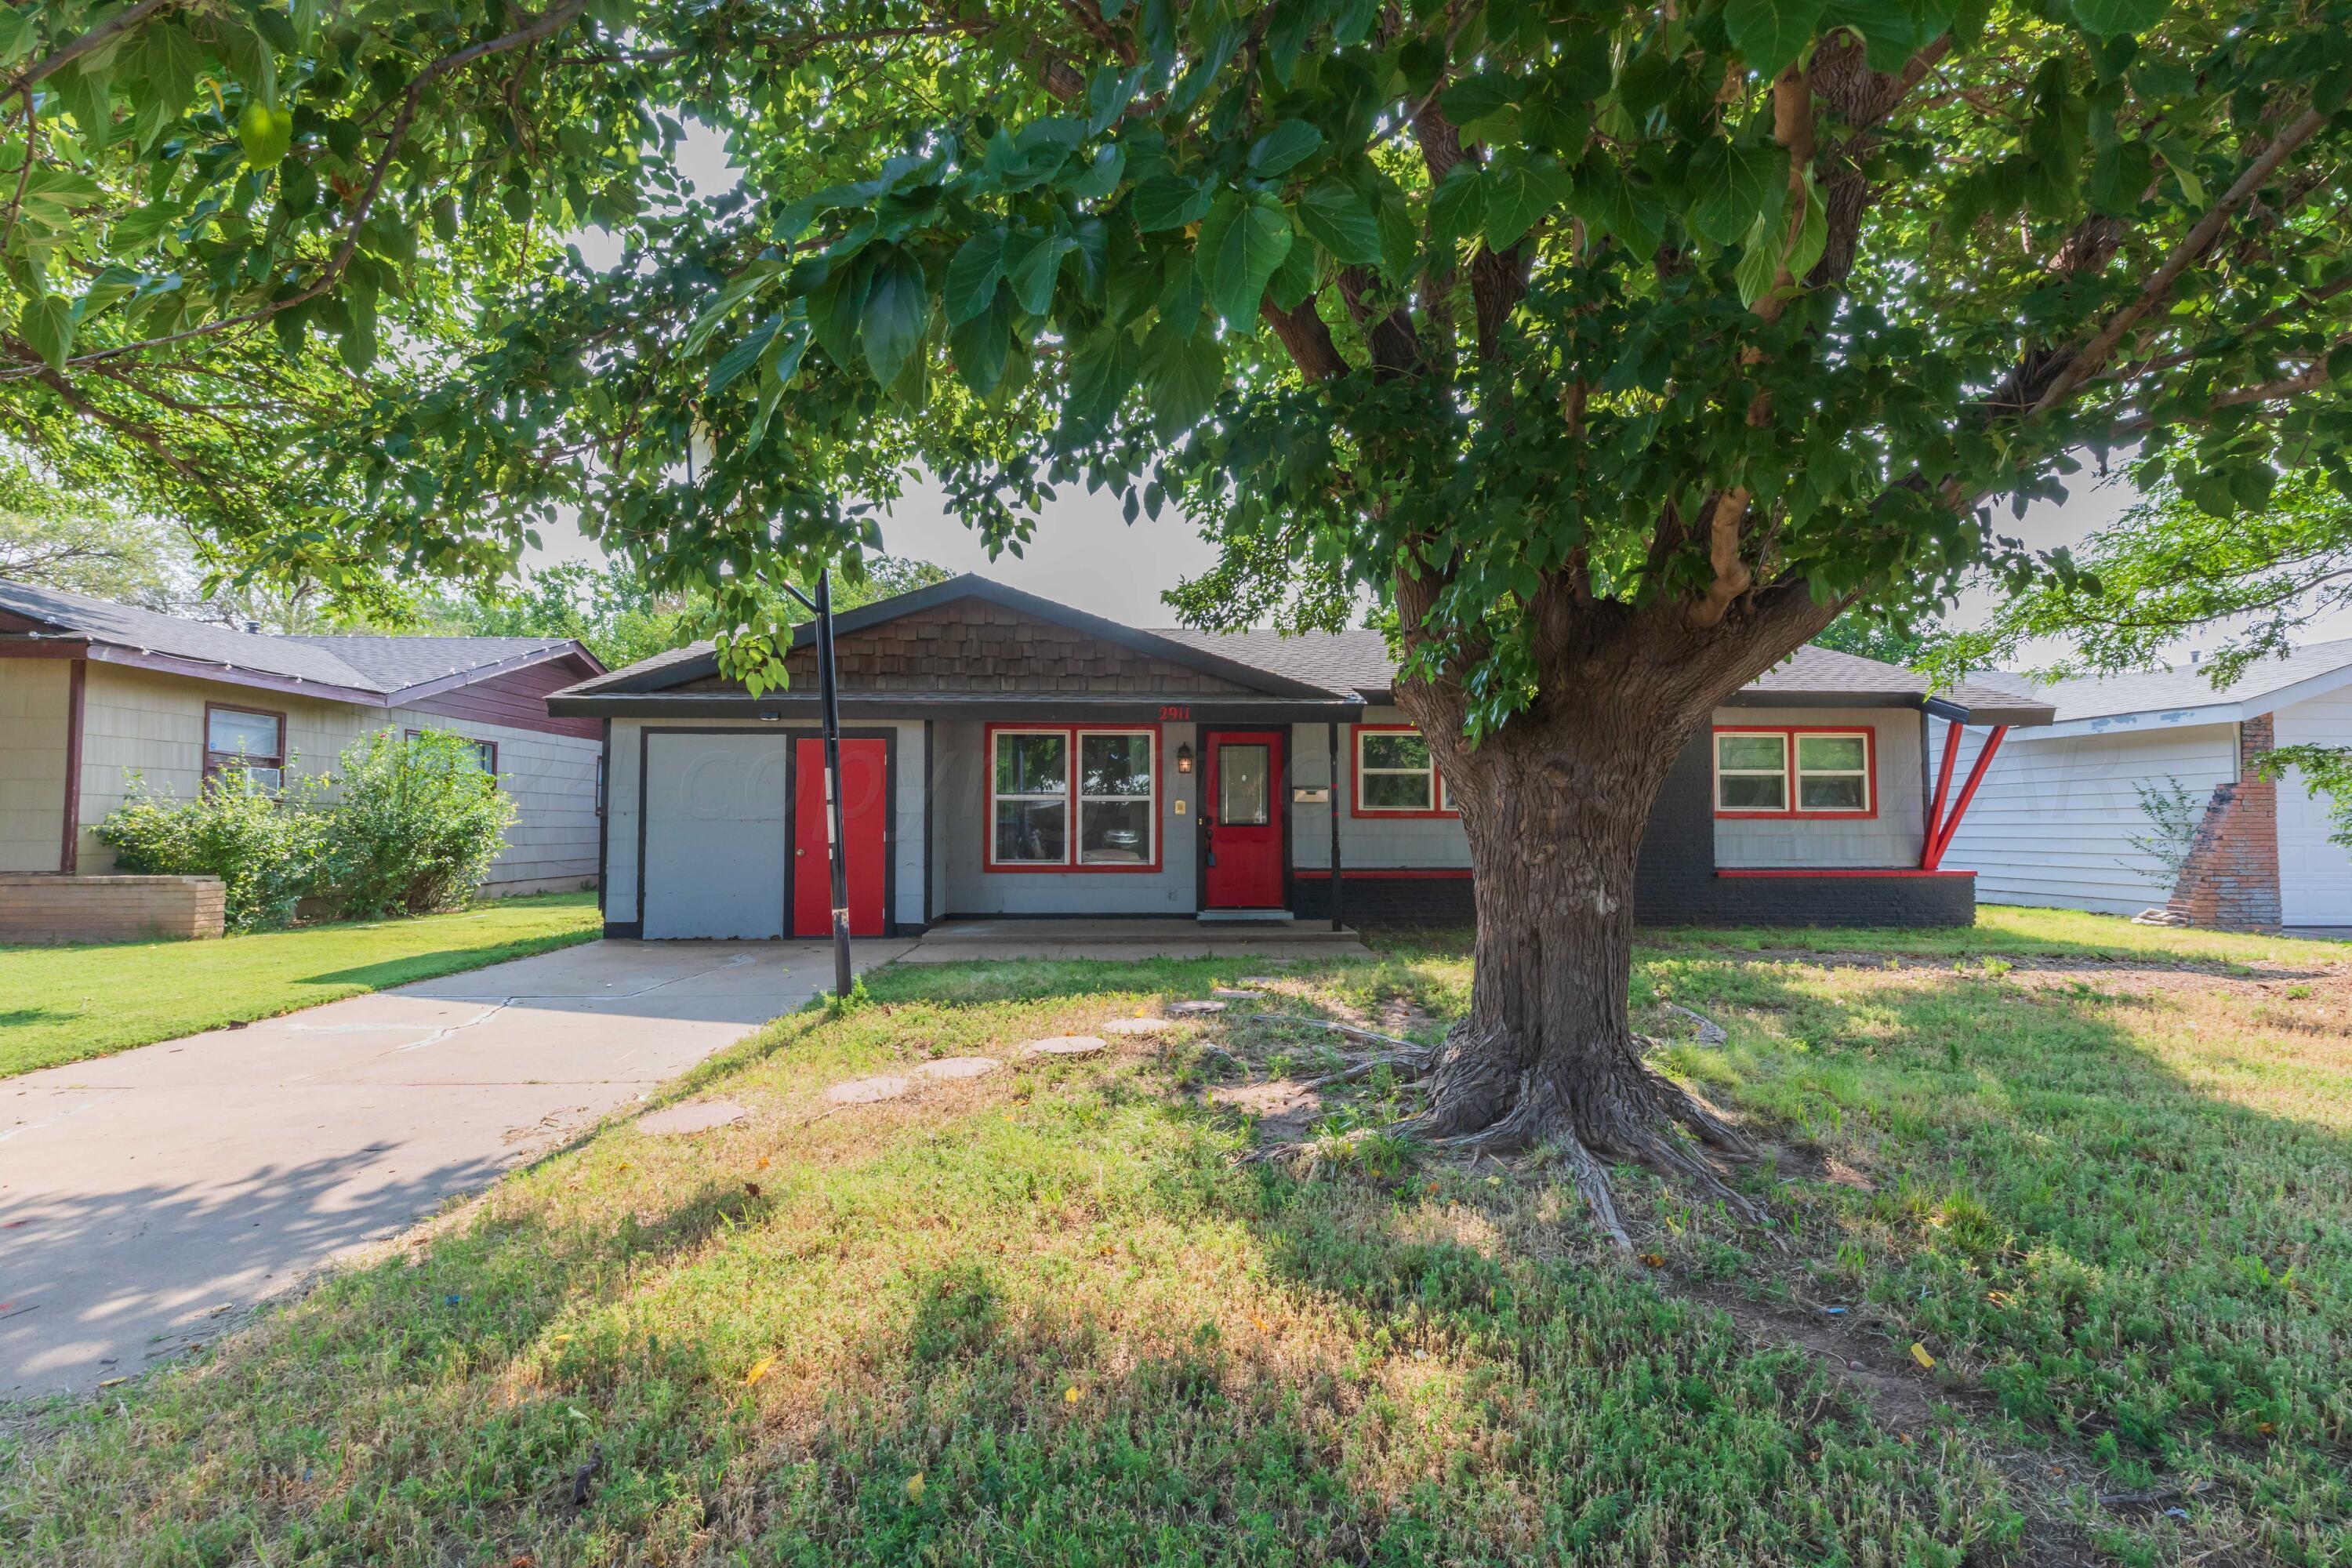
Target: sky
1086 554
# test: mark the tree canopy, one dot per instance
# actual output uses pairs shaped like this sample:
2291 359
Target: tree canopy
1531 318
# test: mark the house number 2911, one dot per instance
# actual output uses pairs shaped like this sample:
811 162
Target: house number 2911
1175 712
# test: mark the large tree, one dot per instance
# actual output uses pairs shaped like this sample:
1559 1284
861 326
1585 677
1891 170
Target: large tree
1614 349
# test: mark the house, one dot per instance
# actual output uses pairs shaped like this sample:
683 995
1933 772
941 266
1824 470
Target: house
2055 820
1006 756
93 692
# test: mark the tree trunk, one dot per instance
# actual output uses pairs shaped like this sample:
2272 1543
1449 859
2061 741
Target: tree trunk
1555 804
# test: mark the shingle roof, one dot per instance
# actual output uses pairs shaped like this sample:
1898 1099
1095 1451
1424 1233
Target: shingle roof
396 663
2181 686
1343 662
378 664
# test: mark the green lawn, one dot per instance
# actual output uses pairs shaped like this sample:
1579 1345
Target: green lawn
1042 1317
66 1004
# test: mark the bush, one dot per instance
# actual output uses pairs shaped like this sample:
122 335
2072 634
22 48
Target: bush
417 826
264 847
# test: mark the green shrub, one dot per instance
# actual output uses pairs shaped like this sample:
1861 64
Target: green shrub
263 845
415 826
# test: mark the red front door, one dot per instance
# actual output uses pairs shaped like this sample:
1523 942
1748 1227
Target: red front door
1242 815
865 811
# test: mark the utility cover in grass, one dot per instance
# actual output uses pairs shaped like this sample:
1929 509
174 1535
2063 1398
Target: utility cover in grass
1067 1045
693 1116
1231 996
1194 1009
868 1090
958 1067
1138 1026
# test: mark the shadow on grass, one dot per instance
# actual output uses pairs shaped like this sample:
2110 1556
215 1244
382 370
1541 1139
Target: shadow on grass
1057 1326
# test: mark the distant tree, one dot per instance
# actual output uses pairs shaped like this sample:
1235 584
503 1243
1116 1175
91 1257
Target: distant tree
86 545
1863 632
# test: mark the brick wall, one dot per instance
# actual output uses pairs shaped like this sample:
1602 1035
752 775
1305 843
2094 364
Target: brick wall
2231 881
973 645
53 909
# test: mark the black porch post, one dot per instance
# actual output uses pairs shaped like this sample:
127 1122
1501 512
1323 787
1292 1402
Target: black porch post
1337 923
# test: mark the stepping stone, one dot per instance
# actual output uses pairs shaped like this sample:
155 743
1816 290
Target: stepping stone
958 1067
868 1090
1138 1026
1194 1009
693 1116
1238 995
1261 980
1067 1045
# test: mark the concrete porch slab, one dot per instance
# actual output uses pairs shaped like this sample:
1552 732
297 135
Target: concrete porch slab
1003 941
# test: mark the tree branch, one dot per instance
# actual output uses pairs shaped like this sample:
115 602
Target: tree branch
1305 335
97 38
2093 356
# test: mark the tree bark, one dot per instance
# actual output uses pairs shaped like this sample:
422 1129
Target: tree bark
1555 803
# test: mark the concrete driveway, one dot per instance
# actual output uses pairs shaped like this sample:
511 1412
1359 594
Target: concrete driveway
145 1197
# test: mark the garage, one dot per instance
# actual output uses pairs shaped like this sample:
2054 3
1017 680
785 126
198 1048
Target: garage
715 834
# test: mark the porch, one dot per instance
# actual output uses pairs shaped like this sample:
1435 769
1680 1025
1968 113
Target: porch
998 940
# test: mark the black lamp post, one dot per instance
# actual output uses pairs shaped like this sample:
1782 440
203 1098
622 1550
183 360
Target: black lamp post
835 834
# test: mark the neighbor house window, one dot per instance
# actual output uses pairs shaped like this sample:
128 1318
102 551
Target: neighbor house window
487 753
1067 797
246 740
1395 774
1794 771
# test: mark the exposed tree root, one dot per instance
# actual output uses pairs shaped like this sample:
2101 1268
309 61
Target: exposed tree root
1623 1112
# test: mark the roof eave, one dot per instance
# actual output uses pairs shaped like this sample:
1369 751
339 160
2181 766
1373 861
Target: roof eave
425 689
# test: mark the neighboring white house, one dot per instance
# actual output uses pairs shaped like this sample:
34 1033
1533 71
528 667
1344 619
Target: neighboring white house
92 693
2054 821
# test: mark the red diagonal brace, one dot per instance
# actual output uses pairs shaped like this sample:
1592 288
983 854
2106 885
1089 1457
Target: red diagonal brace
1943 793
1951 824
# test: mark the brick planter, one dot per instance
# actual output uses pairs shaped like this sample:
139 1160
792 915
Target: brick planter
42 907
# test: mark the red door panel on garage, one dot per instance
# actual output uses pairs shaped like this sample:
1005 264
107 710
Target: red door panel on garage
1244 819
866 813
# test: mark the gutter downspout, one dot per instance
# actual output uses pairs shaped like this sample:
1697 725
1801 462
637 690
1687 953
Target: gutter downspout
70 843
1338 921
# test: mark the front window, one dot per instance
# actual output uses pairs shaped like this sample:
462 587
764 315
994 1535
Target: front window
1793 773
1751 772
485 753
250 742
1115 798
1070 797
1395 773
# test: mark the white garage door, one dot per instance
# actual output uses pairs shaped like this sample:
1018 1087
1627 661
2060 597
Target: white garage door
714 836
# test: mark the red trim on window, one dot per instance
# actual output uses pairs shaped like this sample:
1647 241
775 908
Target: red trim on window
1841 871
1869 732
988 861
1393 874
252 759
1356 806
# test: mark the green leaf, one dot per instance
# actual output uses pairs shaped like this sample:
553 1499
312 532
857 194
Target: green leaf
1295 279
1101 372
837 309
1032 262
1758 263
264 133
973 276
1477 98
1771 34
1730 184
1242 240
17 33
743 355
897 313
1339 218
48 325
1101 177
1284 148
2108 18
1518 196
1890 32
982 343
1183 377
1457 208
1165 201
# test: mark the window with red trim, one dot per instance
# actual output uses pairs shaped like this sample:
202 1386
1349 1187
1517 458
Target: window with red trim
1063 798
1795 771
1395 776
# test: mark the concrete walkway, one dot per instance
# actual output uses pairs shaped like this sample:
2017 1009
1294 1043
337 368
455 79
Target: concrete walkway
145 1197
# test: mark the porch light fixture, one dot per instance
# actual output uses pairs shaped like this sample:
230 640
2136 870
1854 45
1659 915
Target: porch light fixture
1184 758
